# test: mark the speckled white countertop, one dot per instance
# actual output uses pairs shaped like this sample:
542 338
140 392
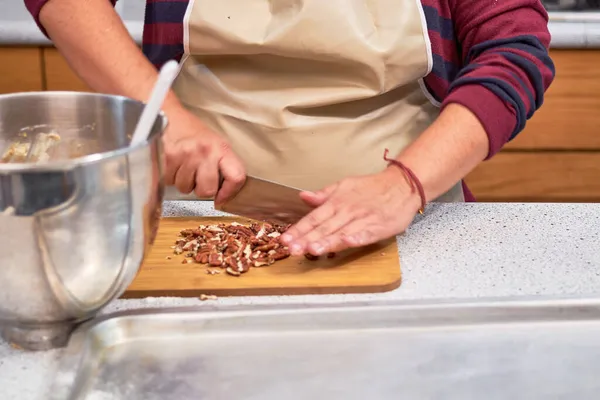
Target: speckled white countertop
454 251
569 30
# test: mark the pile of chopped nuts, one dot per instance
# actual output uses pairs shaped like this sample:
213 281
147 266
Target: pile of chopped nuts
234 247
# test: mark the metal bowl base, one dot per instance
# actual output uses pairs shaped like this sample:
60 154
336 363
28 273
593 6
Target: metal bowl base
39 337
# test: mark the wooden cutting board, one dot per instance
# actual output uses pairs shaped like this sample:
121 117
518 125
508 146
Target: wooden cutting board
371 269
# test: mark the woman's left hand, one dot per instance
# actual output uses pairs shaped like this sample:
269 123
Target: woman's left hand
354 212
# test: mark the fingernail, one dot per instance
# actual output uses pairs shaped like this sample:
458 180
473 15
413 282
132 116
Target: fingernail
317 249
296 250
356 240
286 238
350 240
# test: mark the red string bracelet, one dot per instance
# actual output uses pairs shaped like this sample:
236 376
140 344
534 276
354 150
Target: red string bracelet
412 178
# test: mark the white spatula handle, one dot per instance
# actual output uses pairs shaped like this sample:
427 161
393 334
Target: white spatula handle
165 79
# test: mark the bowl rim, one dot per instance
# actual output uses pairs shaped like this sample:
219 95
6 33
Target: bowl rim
87 159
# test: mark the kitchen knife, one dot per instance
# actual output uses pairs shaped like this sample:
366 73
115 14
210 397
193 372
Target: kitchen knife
258 199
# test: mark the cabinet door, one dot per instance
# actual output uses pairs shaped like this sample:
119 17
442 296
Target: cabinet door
20 69
557 157
59 76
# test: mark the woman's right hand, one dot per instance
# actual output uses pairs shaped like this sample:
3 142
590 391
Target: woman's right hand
196 156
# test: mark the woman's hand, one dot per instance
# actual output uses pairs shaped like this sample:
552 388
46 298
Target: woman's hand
195 157
354 212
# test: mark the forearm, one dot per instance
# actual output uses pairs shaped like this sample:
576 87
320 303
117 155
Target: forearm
447 151
100 49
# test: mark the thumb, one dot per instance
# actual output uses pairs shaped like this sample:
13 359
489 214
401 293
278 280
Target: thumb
234 176
316 199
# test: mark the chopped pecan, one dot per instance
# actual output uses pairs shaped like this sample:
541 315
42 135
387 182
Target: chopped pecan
240 230
234 247
280 254
215 229
263 262
230 261
202 257
247 252
243 265
215 259
267 247
255 228
283 228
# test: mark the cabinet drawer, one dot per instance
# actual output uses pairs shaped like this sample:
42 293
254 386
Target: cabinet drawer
59 76
544 177
20 69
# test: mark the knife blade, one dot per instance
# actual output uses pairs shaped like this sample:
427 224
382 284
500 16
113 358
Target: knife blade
268 201
258 199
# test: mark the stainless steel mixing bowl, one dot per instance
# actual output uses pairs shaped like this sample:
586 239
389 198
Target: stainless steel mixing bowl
73 231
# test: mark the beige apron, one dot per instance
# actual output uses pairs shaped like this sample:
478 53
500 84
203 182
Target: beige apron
309 91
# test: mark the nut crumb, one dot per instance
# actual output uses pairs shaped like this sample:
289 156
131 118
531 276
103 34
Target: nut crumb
205 297
213 271
168 257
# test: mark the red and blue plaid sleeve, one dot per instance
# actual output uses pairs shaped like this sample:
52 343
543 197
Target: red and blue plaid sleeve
506 68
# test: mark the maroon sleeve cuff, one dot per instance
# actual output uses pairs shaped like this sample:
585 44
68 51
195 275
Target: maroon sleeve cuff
497 118
34 7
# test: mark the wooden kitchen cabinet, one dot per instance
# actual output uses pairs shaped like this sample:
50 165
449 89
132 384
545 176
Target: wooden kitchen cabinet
569 119
59 76
539 177
557 157
20 69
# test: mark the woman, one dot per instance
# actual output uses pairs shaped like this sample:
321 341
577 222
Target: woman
311 93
